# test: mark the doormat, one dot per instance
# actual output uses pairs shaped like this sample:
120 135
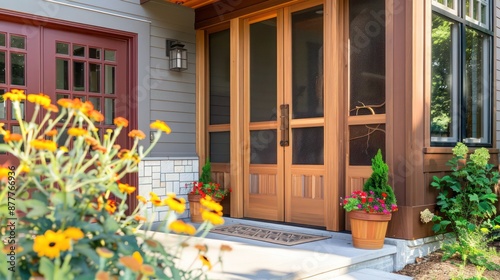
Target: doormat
267 235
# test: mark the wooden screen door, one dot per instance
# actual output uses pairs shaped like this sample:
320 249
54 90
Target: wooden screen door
284 115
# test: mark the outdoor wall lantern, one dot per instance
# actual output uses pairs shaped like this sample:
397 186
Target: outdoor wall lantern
177 55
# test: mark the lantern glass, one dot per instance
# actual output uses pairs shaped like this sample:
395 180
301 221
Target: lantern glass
178 57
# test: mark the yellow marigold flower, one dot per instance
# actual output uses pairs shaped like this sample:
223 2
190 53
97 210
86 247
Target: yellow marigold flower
41 144
131 263
25 168
137 133
155 199
213 217
126 188
12 137
120 121
40 99
102 275
109 205
74 233
51 244
485 230
210 204
64 149
142 199
52 108
51 133
226 248
201 248
179 226
147 270
206 262
496 227
160 125
77 131
96 116
65 103
4 172
15 95
175 204
104 252
140 218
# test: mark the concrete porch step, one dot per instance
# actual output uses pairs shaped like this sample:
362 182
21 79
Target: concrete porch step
372 274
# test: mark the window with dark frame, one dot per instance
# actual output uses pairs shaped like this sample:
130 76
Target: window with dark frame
461 67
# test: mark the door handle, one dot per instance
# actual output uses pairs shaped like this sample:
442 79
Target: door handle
284 125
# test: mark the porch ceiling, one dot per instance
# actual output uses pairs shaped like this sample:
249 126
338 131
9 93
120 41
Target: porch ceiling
193 3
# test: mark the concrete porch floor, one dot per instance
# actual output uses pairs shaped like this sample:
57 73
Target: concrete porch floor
332 258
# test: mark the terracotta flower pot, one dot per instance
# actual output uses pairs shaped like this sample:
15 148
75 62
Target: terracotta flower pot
195 207
368 229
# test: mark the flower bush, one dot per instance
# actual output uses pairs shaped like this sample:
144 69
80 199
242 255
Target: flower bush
368 202
68 202
211 189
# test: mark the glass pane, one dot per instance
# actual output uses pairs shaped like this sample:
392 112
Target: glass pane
94 77
61 96
109 79
263 73
364 142
2 67
477 86
79 50
219 147
219 51
82 98
444 107
3 106
95 53
263 146
468 11
62 48
484 14
110 55
18 42
109 110
23 112
96 101
62 74
367 56
2 40
78 76
63 136
17 69
307 63
308 145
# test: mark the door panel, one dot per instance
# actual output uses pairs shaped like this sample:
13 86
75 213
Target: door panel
285 171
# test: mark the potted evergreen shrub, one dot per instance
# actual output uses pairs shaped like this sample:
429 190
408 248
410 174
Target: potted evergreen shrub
370 210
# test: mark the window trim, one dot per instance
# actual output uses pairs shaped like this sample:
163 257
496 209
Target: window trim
463 23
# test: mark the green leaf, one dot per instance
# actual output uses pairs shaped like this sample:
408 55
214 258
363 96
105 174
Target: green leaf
38 208
490 196
47 268
87 251
110 225
474 197
436 228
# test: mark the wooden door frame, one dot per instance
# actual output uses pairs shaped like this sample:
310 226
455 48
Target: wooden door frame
334 89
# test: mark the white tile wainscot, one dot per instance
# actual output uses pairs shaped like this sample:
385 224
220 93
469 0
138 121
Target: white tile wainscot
166 175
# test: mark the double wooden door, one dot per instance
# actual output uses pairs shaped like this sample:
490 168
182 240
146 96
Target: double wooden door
284 115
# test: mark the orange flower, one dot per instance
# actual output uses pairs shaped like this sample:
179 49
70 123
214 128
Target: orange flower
91 141
104 252
41 144
141 199
119 121
4 172
40 99
102 275
126 188
52 108
8 137
140 218
87 107
96 116
15 95
180 226
147 270
74 233
226 248
131 263
201 248
124 154
99 148
155 199
77 131
65 102
137 133
160 125
51 133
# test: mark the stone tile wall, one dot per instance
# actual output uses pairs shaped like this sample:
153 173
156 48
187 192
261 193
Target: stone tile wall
166 175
